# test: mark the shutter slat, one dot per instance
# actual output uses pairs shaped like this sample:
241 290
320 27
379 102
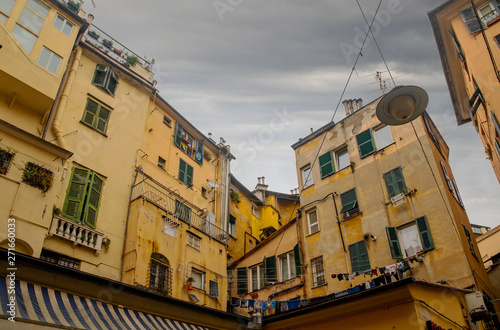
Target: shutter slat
242 280
392 234
200 152
326 164
298 263
365 143
425 234
73 205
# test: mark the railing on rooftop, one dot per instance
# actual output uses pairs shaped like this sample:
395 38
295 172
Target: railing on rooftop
114 49
173 206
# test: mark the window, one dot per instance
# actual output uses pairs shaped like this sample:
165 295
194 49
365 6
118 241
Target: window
169 225
167 120
241 280
359 256
199 278
213 289
366 142
257 277
96 116
475 101
63 25
185 173
105 78
255 211
395 182
326 161
318 271
430 130
83 196
193 241
287 266
312 222
30 23
383 137
182 212
307 179
160 273
270 270
469 17
49 60
487 13
59 259
186 143
452 185
408 240
161 162
349 202
5 9
232 226
342 158
6 157
469 241
326 165
497 130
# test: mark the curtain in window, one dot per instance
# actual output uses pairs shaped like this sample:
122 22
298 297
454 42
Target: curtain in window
411 240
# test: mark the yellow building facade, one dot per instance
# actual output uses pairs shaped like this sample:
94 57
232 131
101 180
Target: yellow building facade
467 37
377 196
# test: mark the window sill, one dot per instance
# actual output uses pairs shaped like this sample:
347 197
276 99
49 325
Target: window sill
84 123
313 233
493 21
319 286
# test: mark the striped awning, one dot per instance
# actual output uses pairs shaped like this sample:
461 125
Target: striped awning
48 306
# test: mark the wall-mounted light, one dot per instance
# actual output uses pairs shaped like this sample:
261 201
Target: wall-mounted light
402 105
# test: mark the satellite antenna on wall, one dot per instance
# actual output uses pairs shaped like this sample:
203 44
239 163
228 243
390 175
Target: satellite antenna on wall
213 184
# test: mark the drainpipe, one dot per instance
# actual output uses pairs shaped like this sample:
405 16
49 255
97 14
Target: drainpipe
342 237
62 105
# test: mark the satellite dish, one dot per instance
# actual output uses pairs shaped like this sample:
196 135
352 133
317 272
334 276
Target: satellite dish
213 184
402 105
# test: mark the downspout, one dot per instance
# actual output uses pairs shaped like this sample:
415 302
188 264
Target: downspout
342 238
62 105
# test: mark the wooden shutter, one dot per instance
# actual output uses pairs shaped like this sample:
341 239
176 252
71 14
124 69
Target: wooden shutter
200 152
270 270
363 256
495 122
102 119
73 206
392 234
298 263
242 280
189 175
365 143
425 234
112 82
178 134
92 203
100 75
90 112
390 184
353 253
469 17
182 170
326 164
399 180
348 200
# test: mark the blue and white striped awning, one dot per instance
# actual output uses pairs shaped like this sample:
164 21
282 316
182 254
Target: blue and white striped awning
48 306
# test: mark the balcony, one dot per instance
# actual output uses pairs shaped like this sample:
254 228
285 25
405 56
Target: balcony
76 233
172 207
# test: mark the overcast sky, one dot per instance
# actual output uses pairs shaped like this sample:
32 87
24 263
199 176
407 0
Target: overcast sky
262 73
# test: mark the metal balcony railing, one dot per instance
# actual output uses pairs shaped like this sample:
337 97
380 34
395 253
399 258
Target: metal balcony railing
179 210
76 233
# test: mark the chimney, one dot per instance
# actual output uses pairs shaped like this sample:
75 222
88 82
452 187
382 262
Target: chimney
291 191
345 106
296 191
354 105
360 103
258 179
260 189
263 180
349 105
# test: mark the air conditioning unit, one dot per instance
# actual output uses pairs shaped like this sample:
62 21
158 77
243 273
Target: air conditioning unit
476 307
398 199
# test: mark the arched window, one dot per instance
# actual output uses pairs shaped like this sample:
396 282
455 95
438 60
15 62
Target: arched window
160 273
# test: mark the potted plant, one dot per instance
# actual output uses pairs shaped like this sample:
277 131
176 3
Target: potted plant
117 51
235 196
56 211
131 60
107 43
190 281
74 5
106 241
93 34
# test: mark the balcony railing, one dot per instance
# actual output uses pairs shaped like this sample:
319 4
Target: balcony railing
351 213
173 206
76 233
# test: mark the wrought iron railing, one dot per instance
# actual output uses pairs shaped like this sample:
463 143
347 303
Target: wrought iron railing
179 210
76 233
351 213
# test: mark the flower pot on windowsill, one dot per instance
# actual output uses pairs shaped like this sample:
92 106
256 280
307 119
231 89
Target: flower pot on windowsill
73 7
190 287
107 43
117 52
93 35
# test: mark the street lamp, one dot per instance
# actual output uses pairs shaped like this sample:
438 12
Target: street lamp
402 105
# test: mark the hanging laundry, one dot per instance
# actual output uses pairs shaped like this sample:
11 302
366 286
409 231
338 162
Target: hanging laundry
391 269
251 303
292 304
354 274
346 276
334 275
234 302
283 306
381 270
273 304
400 265
419 259
264 305
407 266
304 302
244 303
367 285
374 272
340 277
378 281
388 278
257 304
367 272
396 276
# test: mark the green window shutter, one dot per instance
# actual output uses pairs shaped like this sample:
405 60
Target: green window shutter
90 112
495 122
178 134
395 182
399 180
92 203
326 164
389 184
102 119
353 253
348 200
469 17
182 170
425 234
112 82
189 175
270 270
392 234
298 263
73 205
365 143
100 75
359 256
200 150
363 256
242 280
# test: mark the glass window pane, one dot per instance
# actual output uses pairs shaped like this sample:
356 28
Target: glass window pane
383 136
68 27
58 23
44 58
343 159
54 63
38 7
31 20
7 5
307 177
284 268
24 37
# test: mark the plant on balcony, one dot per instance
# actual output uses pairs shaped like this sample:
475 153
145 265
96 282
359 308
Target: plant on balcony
93 34
56 211
235 197
106 241
74 5
107 43
131 60
6 156
117 51
190 281
38 176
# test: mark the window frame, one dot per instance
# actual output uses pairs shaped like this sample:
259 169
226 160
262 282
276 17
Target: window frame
97 117
203 278
213 289
159 264
50 59
337 157
290 266
318 275
350 206
108 77
396 242
60 259
309 224
378 136
64 23
469 241
242 280
394 183
186 173
307 179
192 147
358 253
231 230
452 185
260 271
